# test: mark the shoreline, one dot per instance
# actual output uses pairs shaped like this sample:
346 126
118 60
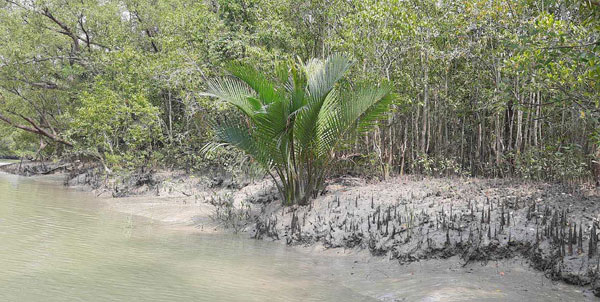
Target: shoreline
403 220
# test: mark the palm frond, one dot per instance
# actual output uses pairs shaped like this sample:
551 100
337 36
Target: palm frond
365 106
273 124
242 138
376 112
321 80
256 80
322 76
236 92
359 111
328 125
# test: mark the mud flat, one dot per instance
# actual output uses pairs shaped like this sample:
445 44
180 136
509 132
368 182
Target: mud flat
552 227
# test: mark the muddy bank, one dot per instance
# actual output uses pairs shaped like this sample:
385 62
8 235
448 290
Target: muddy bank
552 227
404 219
31 168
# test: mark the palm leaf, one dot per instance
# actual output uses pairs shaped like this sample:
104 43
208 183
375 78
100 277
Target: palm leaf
236 92
328 124
323 76
242 138
257 81
321 80
359 111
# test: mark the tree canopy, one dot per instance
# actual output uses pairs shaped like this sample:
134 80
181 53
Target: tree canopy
484 88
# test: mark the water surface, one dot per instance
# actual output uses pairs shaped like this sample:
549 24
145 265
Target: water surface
58 244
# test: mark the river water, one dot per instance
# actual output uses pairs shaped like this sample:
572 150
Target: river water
58 244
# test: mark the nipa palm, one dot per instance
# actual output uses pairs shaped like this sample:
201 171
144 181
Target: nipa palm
293 125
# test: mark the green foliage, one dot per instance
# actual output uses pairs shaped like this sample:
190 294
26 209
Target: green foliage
487 87
439 166
292 127
553 162
17 144
118 129
364 165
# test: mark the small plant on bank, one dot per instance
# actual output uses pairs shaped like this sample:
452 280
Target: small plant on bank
230 216
293 125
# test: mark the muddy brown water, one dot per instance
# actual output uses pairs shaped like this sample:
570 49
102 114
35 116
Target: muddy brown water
57 244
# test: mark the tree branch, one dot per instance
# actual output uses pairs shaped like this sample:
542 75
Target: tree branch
66 30
36 129
147 31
